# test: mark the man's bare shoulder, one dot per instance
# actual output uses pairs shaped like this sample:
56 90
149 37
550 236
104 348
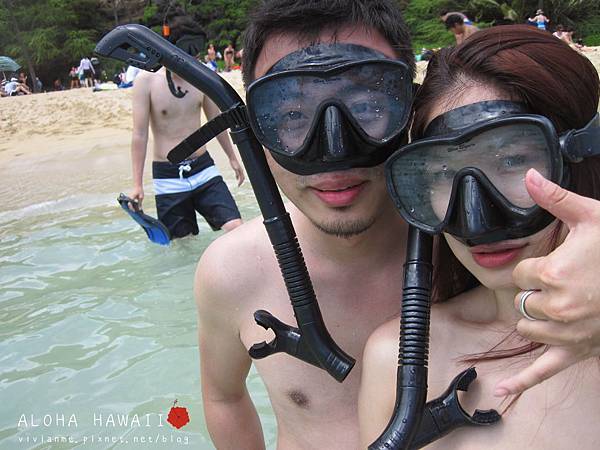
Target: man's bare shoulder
237 262
144 78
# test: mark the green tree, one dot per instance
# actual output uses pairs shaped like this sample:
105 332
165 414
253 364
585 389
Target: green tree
49 36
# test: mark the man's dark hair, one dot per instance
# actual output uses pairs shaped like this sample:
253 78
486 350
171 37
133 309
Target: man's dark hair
187 34
308 18
454 19
182 25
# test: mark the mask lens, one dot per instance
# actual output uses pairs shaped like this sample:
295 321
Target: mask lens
284 113
376 95
423 176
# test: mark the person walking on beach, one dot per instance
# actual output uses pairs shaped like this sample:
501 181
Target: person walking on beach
228 54
86 67
194 184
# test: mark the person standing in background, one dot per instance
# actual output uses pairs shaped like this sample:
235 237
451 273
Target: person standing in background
456 24
192 185
228 57
210 60
86 67
74 78
540 20
444 15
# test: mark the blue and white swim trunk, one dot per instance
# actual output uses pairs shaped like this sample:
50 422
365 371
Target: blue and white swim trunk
190 186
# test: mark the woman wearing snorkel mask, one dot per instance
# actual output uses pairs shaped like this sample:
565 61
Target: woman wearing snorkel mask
508 100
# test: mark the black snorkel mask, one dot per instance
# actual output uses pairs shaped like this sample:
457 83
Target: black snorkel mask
310 341
331 107
466 177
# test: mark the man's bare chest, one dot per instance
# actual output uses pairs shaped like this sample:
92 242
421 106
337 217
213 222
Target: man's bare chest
349 319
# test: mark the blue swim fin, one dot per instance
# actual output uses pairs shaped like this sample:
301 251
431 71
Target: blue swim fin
157 232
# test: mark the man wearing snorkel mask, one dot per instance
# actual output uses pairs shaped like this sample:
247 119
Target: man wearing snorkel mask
171 107
329 93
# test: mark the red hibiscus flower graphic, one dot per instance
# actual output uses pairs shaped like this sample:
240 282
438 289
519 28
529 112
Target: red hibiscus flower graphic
178 416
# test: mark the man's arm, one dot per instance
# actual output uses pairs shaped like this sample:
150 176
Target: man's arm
139 139
231 418
211 110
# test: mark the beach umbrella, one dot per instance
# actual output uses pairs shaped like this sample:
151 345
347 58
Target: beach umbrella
8 64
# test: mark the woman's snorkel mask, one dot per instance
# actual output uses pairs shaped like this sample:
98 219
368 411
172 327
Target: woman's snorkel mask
310 341
466 177
331 107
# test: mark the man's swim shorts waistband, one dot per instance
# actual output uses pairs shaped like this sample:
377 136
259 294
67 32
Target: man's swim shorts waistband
165 169
183 177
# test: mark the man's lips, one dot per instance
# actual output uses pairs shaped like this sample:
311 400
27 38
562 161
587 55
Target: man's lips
496 255
338 192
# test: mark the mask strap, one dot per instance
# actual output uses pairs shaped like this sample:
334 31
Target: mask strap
576 145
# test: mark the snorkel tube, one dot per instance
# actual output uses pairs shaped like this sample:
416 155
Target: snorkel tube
411 378
415 423
310 342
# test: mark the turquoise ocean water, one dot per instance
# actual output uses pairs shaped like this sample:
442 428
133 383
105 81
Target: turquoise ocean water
98 328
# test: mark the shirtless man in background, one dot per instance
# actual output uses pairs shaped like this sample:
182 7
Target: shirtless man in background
192 185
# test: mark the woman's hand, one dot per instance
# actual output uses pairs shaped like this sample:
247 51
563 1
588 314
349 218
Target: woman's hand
567 281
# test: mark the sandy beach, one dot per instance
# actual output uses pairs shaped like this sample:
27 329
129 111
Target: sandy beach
59 143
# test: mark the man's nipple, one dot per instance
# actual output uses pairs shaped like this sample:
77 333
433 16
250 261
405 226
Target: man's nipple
299 398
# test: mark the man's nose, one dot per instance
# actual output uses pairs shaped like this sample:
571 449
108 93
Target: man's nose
334 143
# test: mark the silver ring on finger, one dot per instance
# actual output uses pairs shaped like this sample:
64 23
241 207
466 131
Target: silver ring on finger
524 296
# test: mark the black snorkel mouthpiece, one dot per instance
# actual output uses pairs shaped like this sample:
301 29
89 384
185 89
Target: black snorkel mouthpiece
310 341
